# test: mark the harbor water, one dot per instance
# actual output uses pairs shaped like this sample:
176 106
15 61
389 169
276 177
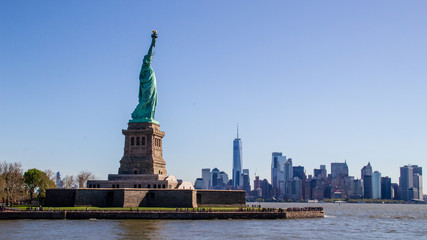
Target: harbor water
352 221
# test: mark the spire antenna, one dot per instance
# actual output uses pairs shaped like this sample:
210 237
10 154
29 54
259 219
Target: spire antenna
237 131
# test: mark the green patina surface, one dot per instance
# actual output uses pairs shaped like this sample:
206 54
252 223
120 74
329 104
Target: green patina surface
146 108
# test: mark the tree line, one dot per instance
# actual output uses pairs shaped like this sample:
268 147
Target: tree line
19 186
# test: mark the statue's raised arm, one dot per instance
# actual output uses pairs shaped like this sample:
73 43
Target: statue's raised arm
153 43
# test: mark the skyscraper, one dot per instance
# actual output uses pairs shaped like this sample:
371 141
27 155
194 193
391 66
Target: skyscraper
417 169
288 176
237 161
257 183
216 180
396 191
418 184
199 183
366 176
339 170
298 171
206 175
418 180
224 177
277 173
246 180
406 182
266 189
366 170
376 185
357 189
320 173
367 186
386 188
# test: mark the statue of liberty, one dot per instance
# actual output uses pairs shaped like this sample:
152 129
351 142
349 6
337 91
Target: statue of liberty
146 108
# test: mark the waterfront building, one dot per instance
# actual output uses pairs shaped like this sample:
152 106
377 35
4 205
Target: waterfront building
376 185
406 182
277 173
386 189
410 182
356 189
418 174
366 176
413 194
206 175
237 161
418 184
396 192
367 187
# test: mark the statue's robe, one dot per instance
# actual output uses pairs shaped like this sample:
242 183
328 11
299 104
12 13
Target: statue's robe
146 108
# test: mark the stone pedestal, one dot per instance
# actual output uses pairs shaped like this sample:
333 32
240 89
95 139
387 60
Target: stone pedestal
143 152
142 164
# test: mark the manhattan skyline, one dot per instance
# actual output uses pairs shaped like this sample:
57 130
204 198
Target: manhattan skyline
320 83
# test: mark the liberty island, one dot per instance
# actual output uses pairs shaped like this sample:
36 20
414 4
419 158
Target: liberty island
142 179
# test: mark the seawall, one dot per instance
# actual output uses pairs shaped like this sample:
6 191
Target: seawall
190 215
144 197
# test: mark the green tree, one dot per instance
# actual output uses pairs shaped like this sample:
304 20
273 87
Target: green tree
32 179
46 183
36 180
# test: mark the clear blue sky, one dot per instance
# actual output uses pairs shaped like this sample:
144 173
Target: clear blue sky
320 81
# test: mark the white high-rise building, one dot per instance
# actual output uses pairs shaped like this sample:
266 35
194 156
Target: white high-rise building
237 162
376 185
